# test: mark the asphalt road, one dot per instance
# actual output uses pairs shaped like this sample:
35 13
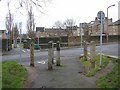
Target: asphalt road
68 53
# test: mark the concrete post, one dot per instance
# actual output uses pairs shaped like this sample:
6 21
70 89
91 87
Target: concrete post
52 52
85 50
50 55
92 54
58 54
32 54
15 43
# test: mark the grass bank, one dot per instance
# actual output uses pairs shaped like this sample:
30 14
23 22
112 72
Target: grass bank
92 71
112 79
13 74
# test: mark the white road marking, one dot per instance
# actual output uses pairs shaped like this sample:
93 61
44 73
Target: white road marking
23 51
41 62
28 50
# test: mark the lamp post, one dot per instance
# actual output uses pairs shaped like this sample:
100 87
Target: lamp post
108 19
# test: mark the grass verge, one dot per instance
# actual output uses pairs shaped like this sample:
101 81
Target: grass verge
111 80
87 64
13 74
0 75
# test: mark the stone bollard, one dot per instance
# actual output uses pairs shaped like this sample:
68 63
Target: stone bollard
85 50
92 54
32 54
50 55
52 52
58 53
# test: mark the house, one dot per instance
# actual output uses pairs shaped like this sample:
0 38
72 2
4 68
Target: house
115 28
95 27
40 31
2 34
3 39
72 30
55 32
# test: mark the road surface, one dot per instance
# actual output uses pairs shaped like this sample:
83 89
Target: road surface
69 53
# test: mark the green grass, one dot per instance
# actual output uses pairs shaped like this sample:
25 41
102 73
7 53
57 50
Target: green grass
92 71
111 80
13 74
0 75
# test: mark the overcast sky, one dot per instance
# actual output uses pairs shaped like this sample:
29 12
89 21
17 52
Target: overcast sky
79 10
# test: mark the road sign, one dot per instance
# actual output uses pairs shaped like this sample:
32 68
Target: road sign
100 15
20 25
7 34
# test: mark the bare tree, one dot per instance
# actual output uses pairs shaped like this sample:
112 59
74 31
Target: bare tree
9 24
28 5
37 4
31 33
31 24
58 24
68 24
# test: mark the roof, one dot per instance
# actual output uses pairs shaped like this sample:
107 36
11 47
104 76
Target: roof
117 22
40 29
2 31
73 27
54 30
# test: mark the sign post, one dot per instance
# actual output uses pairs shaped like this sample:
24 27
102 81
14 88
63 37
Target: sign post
7 33
101 17
20 27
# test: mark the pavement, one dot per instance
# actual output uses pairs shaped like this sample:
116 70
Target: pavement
69 75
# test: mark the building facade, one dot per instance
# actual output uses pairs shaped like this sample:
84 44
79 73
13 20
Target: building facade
55 32
2 34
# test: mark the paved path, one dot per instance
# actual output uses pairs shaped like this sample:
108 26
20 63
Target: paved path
67 76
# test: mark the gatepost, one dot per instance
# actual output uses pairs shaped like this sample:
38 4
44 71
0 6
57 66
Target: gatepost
92 54
85 50
58 54
52 52
50 55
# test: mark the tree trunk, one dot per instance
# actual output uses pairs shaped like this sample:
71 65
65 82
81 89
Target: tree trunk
15 43
32 54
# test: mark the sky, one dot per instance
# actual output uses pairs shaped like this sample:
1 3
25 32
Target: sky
54 10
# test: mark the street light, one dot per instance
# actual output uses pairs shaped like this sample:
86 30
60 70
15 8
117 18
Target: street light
108 19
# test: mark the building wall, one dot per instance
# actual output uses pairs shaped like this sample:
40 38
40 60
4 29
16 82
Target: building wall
112 29
50 32
2 34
